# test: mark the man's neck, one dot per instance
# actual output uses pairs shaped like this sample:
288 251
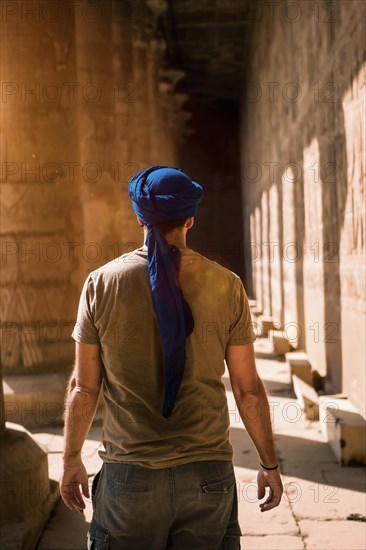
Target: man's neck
172 240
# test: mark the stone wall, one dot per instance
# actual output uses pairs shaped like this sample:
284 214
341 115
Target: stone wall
303 167
86 102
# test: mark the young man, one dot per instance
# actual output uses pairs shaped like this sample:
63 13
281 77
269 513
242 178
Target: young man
154 327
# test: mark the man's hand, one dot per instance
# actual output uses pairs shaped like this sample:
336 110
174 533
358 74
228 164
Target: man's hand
271 479
73 476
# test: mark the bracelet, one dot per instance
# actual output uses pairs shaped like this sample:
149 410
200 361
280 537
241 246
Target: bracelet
265 467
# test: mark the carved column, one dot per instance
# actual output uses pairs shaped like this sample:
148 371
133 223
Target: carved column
275 256
40 217
154 54
265 244
168 80
125 94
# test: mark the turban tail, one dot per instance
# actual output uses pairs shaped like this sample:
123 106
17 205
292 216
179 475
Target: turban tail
162 193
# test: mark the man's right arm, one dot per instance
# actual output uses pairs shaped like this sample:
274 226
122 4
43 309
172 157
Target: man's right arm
252 402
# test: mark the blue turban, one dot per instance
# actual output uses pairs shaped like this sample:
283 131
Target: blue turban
162 193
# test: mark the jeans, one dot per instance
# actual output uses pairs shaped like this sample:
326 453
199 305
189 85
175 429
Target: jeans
187 507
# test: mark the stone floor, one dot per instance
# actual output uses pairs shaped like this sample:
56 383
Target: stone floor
319 494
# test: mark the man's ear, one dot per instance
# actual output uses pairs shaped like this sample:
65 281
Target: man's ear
189 223
139 222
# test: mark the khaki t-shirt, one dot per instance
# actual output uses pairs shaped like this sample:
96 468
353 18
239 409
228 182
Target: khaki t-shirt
116 310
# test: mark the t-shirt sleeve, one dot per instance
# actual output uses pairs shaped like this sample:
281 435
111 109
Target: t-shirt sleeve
85 332
241 331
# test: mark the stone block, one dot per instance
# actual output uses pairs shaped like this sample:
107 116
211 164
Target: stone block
28 496
36 201
35 400
9 259
300 366
267 323
44 259
303 372
281 345
307 398
256 311
344 428
297 358
328 407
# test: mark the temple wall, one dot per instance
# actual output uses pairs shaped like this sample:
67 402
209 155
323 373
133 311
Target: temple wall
84 106
302 158
41 209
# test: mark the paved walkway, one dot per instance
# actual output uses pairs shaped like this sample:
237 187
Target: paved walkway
319 494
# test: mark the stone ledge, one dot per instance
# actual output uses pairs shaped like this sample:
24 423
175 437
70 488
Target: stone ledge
267 323
36 400
307 398
298 358
281 344
256 311
300 366
344 429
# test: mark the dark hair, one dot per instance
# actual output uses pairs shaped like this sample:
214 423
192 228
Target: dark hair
169 225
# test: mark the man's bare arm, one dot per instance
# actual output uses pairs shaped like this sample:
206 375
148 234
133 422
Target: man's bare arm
252 402
80 407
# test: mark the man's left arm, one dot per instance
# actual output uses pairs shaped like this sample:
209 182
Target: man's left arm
80 407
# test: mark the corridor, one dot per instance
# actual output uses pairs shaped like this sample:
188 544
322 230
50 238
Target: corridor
261 102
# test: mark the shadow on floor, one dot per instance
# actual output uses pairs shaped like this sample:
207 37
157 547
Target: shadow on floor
301 458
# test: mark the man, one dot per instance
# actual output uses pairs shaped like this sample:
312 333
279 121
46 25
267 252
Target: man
154 327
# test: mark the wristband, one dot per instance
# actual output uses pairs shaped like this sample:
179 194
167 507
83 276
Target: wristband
265 467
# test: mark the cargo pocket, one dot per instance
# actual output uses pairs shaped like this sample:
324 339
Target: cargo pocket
98 536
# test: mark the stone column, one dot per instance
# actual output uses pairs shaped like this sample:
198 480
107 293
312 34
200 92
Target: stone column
140 109
314 259
291 255
265 239
125 96
169 78
258 265
40 219
154 57
182 118
251 252
2 406
95 74
154 53
275 249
